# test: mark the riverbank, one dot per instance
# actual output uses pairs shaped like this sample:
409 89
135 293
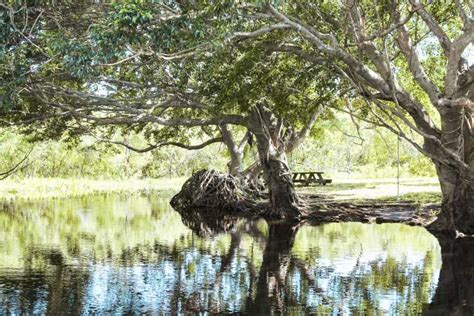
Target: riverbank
375 200
214 195
414 190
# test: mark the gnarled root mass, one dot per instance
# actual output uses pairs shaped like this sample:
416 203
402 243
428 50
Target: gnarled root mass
214 190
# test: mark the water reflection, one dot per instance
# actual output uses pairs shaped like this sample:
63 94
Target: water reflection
272 291
133 254
455 292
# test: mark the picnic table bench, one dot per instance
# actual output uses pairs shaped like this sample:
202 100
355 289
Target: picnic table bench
311 177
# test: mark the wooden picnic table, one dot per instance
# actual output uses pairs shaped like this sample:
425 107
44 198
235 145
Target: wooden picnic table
310 177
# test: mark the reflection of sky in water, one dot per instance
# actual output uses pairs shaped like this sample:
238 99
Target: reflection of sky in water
133 254
147 288
331 273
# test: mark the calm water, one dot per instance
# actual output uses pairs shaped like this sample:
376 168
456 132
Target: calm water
134 254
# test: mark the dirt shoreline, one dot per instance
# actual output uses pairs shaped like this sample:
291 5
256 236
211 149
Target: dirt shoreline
322 209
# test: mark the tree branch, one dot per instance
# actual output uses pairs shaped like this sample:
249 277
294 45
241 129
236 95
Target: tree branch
294 50
171 143
6 174
299 137
244 140
393 27
261 31
414 64
454 57
432 25
129 116
462 13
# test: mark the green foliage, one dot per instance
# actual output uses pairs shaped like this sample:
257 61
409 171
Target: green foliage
85 158
421 166
343 150
130 14
289 86
342 156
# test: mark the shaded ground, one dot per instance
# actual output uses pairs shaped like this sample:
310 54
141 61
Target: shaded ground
412 189
374 201
369 211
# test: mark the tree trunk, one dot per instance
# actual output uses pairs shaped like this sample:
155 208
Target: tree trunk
457 184
236 151
457 209
283 198
236 162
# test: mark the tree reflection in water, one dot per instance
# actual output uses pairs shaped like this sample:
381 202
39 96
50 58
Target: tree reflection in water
455 291
134 255
272 280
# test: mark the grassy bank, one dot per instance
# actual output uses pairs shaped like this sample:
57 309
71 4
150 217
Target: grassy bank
37 188
417 190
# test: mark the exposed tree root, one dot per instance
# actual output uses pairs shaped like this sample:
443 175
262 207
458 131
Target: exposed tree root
214 190
209 193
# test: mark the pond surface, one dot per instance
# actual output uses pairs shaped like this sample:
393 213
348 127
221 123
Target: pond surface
133 254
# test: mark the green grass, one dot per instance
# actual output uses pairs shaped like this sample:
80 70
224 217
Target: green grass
415 190
334 187
416 198
38 188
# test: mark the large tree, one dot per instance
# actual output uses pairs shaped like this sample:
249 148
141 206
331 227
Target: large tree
410 62
280 97
170 70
